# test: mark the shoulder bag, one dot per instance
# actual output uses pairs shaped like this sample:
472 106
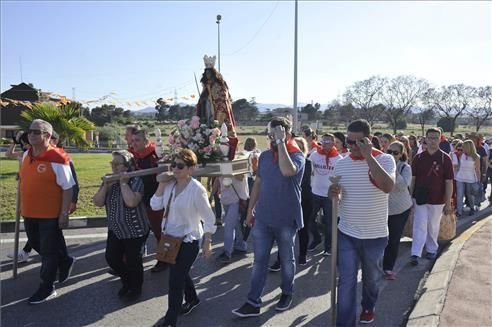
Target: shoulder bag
168 247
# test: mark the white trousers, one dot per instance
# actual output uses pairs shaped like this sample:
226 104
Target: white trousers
426 222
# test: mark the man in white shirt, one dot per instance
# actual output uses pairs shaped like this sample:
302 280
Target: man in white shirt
323 162
367 176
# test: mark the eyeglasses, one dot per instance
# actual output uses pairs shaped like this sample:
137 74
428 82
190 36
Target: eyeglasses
35 131
352 142
326 141
178 165
395 153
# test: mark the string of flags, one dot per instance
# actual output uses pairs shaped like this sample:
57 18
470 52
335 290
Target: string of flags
112 100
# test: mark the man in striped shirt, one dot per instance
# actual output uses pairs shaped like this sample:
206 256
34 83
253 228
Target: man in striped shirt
367 176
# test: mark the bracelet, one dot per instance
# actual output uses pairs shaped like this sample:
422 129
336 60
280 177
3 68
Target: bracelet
278 141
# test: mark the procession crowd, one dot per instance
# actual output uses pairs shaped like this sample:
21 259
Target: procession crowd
379 181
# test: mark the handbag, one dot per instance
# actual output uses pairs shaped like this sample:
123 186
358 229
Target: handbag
168 247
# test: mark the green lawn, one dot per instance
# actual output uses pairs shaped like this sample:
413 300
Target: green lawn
89 167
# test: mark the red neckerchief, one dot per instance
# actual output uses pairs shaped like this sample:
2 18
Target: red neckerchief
149 149
375 153
443 138
333 153
291 146
51 154
315 145
344 150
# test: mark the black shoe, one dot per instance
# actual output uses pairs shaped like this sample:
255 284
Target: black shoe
224 258
284 302
159 266
42 294
66 270
313 245
189 306
414 260
247 310
113 272
430 256
132 295
327 253
275 267
302 260
123 291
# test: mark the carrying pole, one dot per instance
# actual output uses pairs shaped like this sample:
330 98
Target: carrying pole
334 251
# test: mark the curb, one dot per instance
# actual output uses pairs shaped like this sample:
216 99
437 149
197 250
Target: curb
429 306
73 223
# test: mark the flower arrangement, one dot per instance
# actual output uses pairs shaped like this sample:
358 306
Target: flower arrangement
202 139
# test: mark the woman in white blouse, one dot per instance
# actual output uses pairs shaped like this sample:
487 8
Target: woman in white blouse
399 205
188 208
468 173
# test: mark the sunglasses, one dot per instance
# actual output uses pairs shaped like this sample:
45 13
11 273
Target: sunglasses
353 142
179 165
326 141
35 131
392 152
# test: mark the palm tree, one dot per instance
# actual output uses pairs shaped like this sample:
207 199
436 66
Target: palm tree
66 121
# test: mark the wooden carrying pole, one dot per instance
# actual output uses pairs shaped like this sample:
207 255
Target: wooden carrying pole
17 228
334 251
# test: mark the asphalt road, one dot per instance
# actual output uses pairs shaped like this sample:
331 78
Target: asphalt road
89 297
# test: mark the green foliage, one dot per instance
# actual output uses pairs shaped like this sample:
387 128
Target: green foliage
244 109
447 124
66 121
110 114
108 133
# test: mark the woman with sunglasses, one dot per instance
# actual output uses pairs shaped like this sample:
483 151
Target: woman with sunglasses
399 205
467 174
188 208
127 224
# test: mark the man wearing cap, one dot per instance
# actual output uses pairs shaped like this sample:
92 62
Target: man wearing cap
46 184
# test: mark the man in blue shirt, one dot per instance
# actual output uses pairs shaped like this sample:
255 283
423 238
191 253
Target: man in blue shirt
275 209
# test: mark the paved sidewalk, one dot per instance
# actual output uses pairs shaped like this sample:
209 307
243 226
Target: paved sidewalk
458 291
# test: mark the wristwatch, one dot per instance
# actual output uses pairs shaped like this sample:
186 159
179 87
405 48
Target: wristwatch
278 141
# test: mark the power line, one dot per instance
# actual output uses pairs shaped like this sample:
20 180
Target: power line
256 34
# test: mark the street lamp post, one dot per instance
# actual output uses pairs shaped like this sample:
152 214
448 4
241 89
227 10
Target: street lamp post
219 17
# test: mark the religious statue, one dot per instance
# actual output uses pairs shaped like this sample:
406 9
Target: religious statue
215 102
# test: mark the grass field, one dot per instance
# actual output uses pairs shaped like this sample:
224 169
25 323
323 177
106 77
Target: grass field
90 168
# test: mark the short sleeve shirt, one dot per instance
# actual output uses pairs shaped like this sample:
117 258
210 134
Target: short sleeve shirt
432 171
279 202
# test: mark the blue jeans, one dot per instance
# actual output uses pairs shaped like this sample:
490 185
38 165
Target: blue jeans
321 202
462 189
352 252
233 237
263 236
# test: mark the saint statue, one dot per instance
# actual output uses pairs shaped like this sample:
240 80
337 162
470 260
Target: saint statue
215 102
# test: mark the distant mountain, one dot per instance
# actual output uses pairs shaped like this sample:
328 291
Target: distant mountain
144 111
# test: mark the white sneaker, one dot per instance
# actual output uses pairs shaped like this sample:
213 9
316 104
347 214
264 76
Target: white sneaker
23 256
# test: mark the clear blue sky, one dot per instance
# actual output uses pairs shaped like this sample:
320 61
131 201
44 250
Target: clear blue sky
144 50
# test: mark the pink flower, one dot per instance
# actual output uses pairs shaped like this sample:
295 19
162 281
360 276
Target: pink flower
171 139
195 124
216 132
212 139
195 118
207 149
181 123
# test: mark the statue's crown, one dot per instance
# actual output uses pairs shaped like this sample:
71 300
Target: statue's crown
209 61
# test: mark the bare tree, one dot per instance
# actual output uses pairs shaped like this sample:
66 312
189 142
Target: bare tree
400 95
450 101
481 109
424 115
364 95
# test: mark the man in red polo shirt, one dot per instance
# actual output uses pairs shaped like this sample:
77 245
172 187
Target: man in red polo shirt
432 189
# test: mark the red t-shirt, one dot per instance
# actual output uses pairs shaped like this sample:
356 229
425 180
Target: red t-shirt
433 170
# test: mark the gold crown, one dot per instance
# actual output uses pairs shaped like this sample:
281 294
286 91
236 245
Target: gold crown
209 61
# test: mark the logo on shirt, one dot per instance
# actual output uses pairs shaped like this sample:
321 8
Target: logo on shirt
41 168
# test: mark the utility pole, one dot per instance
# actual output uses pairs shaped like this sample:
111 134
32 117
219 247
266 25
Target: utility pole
219 17
296 118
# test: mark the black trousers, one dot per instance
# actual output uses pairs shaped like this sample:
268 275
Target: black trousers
130 269
180 281
47 239
303 233
396 223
